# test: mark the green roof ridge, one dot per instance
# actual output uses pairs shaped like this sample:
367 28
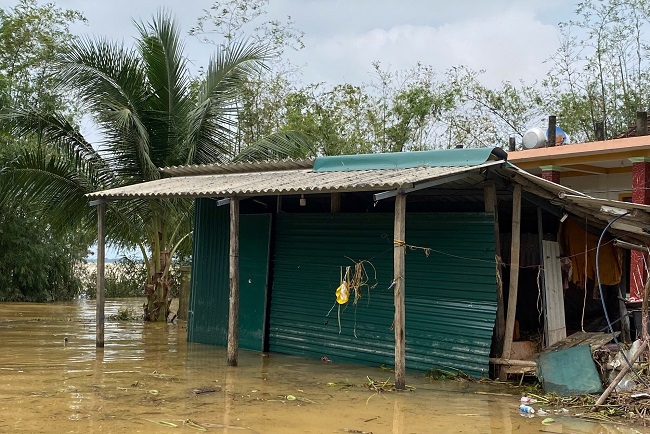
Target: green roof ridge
405 160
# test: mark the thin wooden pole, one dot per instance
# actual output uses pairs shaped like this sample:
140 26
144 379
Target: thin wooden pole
542 276
335 203
399 260
514 271
491 206
101 264
233 308
499 361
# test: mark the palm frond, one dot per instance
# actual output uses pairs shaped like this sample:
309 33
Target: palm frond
60 136
166 67
112 84
52 182
211 125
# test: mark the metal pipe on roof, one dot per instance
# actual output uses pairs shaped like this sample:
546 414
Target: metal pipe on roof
552 125
641 123
630 246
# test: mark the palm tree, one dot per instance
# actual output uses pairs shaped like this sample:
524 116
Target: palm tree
150 114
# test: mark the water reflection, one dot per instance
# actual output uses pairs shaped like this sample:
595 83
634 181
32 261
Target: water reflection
148 379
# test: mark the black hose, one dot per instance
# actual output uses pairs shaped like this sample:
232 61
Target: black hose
602 298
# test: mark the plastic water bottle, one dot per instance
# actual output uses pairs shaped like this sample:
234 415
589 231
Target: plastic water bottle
526 409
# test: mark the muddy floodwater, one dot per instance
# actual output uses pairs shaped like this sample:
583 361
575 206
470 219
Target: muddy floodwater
149 379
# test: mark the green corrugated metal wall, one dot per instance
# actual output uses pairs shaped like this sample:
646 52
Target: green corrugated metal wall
208 299
208 318
450 300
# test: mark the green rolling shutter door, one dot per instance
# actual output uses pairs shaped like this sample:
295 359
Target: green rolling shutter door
450 294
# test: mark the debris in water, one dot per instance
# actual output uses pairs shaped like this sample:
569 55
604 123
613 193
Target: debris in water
347 383
194 425
548 421
164 423
204 390
386 386
152 392
295 398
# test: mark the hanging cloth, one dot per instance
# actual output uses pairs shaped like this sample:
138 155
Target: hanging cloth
572 238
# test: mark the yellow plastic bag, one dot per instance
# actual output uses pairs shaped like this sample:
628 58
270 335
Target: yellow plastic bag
342 293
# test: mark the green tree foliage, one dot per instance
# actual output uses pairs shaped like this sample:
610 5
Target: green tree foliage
601 71
151 114
31 36
37 263
483 116
265 92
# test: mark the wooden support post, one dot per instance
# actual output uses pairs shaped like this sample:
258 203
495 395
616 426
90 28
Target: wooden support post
233 307
101 263
399 259
514 271
491 206
335 203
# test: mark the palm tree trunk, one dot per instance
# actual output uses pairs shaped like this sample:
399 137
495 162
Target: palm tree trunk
158 282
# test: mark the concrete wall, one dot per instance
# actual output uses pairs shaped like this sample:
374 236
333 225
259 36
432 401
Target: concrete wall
602 186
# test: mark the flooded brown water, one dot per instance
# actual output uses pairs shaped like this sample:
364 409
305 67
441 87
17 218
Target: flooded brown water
149 379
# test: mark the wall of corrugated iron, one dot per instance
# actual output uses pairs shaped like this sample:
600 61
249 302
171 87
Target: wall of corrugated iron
450 294
208 319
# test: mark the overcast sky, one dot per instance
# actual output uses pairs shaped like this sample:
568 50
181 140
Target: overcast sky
509 39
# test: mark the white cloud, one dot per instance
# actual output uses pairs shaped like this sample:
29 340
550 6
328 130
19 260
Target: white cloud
508 38
510 45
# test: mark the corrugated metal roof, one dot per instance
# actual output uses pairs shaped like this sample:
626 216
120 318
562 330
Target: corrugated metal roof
285 182
214 169
636 224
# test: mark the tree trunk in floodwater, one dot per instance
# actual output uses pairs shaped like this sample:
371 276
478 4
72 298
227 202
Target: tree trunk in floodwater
157 288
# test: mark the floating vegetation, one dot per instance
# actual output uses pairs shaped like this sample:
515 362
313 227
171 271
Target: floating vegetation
194 425
383 386
125 314
447 374
344 384
163 423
